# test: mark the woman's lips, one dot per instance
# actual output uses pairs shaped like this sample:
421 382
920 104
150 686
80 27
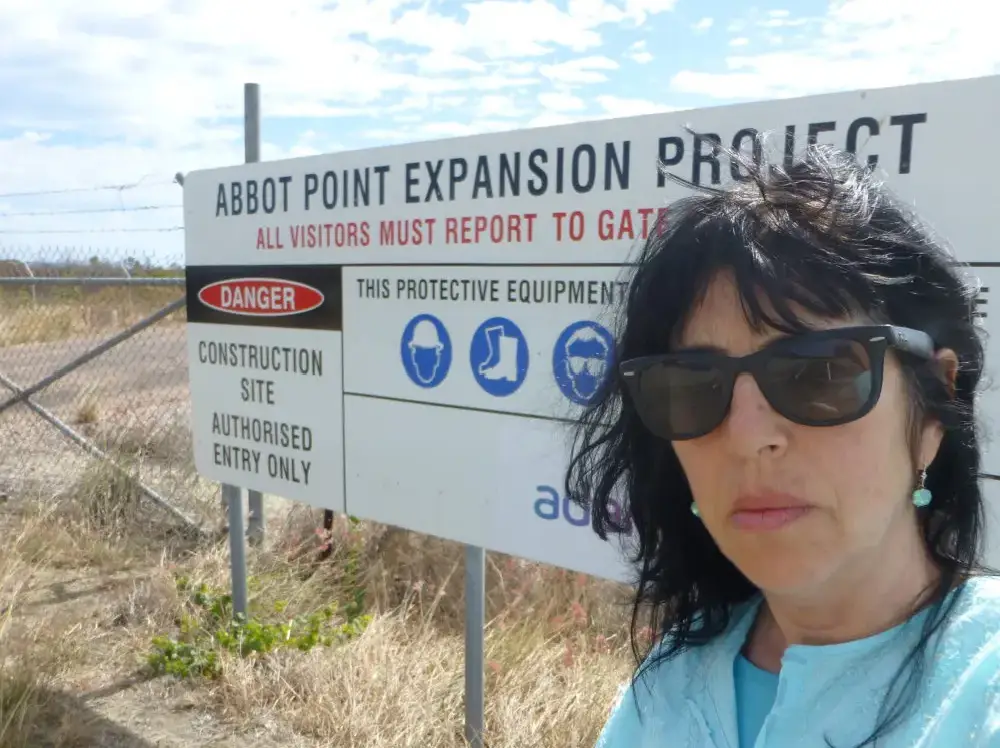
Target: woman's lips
768 510
768 519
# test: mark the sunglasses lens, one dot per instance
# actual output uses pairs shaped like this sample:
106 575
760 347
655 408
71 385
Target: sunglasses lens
678 401
818 381
812 381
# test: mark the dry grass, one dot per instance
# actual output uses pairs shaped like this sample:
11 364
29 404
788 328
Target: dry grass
34 659
87 582
89 578
66 317
87 413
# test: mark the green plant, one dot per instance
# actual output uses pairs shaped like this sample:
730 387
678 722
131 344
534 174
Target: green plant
352 570
211 628
182 660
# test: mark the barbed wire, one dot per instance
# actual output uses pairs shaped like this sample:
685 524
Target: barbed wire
119 188
98 188
136 230
85 211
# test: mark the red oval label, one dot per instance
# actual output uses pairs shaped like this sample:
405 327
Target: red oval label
261 297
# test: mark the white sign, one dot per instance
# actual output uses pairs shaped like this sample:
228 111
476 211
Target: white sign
579 194
473 284
267 404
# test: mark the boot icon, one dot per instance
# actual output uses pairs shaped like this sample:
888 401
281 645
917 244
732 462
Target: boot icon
499 357
502 363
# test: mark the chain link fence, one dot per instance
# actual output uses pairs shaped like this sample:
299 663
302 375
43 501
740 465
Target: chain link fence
128 405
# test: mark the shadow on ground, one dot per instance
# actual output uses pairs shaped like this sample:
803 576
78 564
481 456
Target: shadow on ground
59 720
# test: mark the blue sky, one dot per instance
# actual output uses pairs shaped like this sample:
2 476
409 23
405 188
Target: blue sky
101 94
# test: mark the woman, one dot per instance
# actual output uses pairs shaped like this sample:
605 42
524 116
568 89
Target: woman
793 430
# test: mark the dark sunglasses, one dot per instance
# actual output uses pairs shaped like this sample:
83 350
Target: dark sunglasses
823 378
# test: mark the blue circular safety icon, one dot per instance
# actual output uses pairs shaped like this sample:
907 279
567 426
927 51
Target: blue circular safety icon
499 356
581 359
425 349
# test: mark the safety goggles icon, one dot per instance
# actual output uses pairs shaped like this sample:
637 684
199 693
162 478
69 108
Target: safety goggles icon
593 366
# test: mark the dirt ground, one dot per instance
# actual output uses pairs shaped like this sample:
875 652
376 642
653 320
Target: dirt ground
85 618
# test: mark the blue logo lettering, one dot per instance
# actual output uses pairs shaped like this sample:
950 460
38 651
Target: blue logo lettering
551 506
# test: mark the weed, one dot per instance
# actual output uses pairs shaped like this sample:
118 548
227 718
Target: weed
21 701
87 413
210 628
110 498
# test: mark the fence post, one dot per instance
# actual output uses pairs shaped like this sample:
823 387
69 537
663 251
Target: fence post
27 267
256 522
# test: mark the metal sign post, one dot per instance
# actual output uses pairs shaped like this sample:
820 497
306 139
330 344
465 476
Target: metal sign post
251 138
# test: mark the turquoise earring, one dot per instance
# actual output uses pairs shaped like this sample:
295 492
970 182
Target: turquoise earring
694 509
922 495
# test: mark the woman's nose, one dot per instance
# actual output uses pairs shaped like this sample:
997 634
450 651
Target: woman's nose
753 426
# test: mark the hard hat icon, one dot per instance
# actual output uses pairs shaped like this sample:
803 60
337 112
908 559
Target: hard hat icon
425 335
425 348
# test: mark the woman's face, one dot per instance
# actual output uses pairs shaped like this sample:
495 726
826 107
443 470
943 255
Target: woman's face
853 482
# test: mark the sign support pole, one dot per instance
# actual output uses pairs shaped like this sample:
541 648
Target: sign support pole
475 644
251 140
233 497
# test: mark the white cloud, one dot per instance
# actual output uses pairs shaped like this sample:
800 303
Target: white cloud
461 129
388 136
582 70
437 130
616 106
740 41
509 67
859 42
311 143
704 24
555 101
500 29
638 10
442 61
312 58
498 106
552 119
782 22
638 52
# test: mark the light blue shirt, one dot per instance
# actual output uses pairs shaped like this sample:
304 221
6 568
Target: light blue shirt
756 690
827 692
